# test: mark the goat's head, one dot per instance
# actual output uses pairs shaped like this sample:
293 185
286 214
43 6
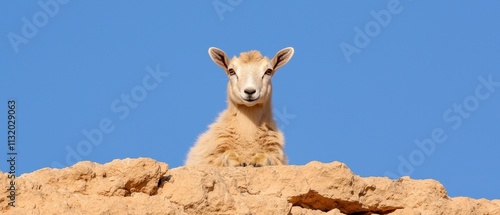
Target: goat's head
250 74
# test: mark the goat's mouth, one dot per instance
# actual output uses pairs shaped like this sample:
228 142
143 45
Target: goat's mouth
250 99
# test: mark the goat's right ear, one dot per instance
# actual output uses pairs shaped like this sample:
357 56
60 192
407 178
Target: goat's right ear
219 57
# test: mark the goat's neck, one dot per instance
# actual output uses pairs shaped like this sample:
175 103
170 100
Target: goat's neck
254 116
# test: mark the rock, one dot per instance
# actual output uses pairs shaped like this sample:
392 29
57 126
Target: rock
145 186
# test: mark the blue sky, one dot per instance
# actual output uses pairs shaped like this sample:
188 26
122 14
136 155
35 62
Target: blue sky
390 88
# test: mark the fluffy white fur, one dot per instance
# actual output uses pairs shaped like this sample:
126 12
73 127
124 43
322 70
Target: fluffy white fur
245 133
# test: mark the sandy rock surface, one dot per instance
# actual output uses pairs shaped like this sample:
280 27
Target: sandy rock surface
145 186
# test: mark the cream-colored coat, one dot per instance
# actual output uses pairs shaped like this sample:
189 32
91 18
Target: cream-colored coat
245 133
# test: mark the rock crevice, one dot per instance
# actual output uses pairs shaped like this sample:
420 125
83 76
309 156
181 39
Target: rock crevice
314 201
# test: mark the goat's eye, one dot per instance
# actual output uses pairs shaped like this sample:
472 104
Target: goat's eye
269 71
231 72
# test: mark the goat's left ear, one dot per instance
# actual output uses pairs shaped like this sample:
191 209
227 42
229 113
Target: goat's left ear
281 58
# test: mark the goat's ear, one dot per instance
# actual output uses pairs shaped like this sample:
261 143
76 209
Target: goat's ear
219 57
281 58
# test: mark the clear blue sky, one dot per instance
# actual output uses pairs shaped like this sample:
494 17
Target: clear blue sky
415 94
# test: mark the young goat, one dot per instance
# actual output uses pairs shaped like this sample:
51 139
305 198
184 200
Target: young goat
245 133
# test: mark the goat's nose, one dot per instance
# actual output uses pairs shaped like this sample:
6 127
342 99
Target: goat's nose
249 91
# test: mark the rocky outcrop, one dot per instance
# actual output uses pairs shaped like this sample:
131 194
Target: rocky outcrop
145 186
